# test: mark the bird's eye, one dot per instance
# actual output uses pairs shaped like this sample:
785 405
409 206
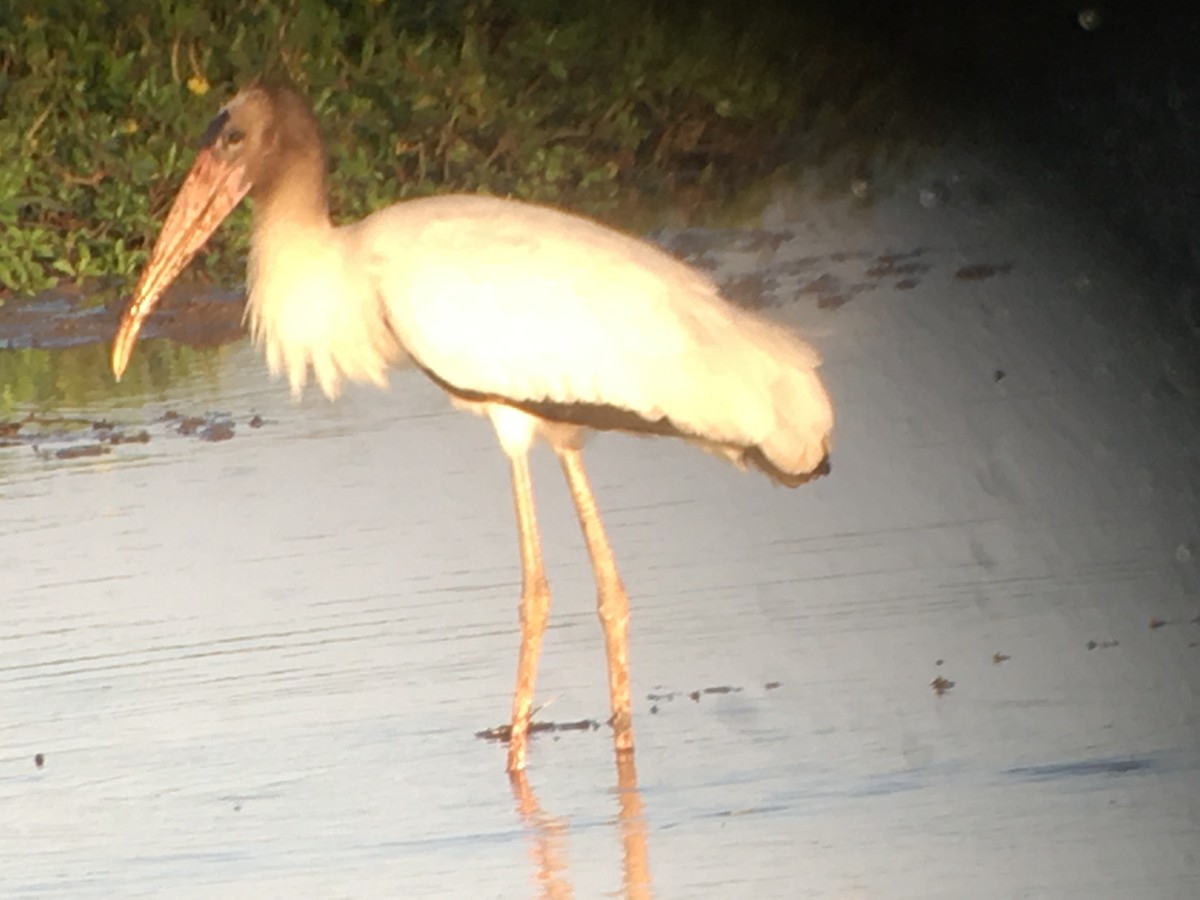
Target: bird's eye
234 136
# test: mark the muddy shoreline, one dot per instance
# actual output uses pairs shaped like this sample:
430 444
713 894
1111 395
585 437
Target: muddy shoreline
195 317
204 316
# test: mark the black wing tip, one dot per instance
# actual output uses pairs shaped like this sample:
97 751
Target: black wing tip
602 417
755 457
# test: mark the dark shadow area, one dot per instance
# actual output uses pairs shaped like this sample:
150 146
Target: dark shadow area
1103 96
1084 769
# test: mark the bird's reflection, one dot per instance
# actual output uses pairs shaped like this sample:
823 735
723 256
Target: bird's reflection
636 862
549 834
549 845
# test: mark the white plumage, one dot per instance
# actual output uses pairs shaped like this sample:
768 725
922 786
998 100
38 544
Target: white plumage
545 321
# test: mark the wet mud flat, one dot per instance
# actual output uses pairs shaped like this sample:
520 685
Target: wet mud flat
963 665
204 316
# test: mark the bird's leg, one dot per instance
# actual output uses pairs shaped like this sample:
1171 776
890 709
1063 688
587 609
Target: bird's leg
612 604
535 609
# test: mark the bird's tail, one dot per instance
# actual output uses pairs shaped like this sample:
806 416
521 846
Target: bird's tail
768 408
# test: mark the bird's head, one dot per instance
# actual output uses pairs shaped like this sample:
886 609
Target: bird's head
252 143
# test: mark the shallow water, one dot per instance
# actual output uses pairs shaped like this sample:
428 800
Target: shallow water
256 666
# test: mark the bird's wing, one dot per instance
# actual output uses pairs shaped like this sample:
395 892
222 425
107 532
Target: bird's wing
532 304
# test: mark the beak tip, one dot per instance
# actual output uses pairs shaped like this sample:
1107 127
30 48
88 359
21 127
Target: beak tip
118 359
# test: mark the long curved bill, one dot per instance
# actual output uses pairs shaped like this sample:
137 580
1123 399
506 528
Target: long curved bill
209 193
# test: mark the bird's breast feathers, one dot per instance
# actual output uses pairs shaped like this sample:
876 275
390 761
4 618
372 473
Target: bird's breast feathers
308 305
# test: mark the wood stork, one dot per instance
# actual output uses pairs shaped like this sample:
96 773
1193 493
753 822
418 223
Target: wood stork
548 323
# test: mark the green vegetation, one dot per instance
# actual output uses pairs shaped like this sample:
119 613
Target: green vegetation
585 104
76 377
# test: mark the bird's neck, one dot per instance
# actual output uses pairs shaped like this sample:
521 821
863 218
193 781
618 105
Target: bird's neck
295 196
308 301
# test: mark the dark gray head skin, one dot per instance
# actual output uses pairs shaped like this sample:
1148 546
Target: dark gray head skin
264 143
270 130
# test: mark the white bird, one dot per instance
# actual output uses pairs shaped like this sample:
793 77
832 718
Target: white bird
546 322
